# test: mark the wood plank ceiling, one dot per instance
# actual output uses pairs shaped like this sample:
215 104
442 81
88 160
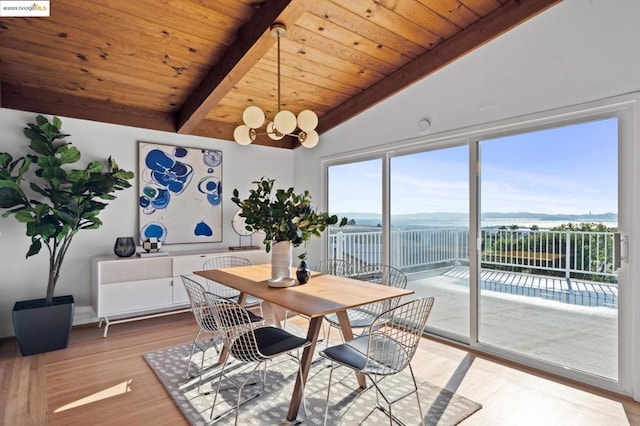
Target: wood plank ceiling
193 66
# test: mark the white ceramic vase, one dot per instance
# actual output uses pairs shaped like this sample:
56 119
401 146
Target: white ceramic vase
281 253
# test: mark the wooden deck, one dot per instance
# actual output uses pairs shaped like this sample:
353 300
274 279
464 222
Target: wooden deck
575 292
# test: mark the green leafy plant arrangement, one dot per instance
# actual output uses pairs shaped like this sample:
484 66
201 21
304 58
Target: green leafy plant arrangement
61 201
283 216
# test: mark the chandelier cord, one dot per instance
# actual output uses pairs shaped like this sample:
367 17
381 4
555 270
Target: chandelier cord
278 71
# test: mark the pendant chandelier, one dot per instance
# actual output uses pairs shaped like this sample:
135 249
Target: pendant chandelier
285 122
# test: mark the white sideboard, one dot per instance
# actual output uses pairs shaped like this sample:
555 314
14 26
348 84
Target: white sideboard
135 288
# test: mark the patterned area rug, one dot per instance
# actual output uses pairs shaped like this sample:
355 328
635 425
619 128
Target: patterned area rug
348 405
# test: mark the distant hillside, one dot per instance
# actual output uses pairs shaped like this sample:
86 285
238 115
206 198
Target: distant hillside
461 219
606 217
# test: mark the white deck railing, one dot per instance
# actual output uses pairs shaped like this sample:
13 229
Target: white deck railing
581 254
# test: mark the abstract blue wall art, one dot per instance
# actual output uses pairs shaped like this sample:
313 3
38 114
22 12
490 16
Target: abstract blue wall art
180 194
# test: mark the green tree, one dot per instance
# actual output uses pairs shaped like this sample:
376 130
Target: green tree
59 201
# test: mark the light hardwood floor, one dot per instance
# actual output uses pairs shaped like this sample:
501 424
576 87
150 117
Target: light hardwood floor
98 381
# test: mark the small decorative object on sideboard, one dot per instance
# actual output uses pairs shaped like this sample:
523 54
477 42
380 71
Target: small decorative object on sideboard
152 245
240 228
124 247
303 273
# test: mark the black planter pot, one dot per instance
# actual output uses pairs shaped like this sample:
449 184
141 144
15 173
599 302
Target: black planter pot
41 328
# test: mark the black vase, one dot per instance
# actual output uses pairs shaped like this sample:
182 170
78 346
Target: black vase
303 273
124 247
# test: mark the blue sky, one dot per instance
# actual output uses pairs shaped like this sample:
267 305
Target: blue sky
564 170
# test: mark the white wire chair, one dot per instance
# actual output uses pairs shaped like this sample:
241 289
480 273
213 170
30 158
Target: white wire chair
203 314
339 267
364 316
227 292
202 311
206 322
385 349
248 343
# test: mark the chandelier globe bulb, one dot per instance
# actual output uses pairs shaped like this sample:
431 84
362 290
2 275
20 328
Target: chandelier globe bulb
285 122
253 117
307 120
244 135
309 139
273 133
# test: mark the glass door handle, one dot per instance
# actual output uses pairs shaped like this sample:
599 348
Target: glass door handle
621 245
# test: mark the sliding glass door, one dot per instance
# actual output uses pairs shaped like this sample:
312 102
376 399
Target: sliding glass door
355 191
429 218
548 284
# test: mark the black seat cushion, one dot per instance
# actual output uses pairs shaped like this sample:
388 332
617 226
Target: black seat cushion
353 356
273 340
254 318
209 324
385 354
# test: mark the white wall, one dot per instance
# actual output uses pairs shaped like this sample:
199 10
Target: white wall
575 52
26 279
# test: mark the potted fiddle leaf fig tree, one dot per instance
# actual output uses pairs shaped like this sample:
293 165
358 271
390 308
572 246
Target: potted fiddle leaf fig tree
287 220
54 202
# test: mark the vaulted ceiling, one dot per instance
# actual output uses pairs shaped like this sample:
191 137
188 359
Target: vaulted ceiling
193 66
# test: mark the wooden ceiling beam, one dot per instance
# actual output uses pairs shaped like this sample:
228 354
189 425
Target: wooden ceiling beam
511 14
45 101
252 43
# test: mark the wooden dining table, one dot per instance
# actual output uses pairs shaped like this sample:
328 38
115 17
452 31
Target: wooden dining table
324 294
